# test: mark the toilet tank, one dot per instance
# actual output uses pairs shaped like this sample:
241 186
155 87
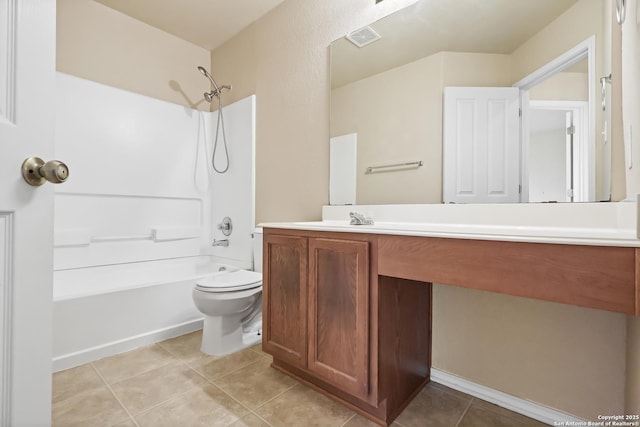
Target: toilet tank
257 250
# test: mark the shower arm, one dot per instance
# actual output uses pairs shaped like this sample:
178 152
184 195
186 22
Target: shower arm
218 90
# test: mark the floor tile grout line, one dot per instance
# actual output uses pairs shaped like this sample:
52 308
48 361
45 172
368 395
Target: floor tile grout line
465 411
188 363
451 392
126 410
175 396
503 412
76 392
212 382
260 418
259 406
177 356
138 373
348 419
277 396
261 353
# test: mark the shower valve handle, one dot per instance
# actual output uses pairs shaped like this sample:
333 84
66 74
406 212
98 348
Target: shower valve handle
225 226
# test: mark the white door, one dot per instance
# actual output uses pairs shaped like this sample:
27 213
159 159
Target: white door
481 152
27 78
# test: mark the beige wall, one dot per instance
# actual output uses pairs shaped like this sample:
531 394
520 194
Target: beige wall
475 69
566 86
568 358
97 43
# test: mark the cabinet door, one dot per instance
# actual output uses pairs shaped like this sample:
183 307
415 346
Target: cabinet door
339 313
285 298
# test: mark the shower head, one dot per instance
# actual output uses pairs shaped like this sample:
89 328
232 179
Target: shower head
207 75
208 96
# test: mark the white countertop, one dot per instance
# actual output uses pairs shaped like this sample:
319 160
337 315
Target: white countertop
612 224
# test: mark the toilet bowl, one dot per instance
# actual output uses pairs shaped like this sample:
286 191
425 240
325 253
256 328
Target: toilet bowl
231 302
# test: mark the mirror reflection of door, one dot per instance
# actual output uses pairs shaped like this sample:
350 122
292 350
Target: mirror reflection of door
558 156
481 145
551 142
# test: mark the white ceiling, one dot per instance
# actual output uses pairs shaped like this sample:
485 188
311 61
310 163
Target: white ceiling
206 23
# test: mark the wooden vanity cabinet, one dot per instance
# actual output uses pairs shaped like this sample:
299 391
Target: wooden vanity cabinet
326 324
316 307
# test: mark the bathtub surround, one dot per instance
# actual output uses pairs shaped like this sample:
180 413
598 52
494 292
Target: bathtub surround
133 229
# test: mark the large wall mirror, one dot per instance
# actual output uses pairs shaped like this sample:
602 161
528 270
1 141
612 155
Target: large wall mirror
391 128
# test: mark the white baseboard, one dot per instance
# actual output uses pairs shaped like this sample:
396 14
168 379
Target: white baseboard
525 407
78 358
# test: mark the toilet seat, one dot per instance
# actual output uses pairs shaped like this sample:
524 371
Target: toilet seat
230 281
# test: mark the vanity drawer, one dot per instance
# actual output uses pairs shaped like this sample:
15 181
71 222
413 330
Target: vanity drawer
601 277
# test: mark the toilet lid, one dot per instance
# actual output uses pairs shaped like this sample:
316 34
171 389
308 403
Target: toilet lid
228 281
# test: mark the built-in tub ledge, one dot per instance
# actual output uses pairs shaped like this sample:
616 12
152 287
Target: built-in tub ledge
600 224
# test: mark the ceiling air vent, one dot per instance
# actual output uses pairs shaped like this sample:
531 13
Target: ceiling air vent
363 36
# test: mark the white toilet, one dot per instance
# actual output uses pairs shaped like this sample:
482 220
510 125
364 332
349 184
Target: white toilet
231 302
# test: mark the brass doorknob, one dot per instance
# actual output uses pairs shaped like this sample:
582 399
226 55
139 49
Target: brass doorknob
36 172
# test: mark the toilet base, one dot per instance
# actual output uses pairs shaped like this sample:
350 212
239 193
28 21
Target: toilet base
216 341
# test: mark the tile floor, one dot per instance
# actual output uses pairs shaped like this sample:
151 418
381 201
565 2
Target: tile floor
172 384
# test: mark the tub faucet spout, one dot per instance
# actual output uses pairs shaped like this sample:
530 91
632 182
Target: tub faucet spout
223 242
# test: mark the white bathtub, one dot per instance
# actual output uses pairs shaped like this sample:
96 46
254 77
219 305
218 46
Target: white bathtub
106 310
